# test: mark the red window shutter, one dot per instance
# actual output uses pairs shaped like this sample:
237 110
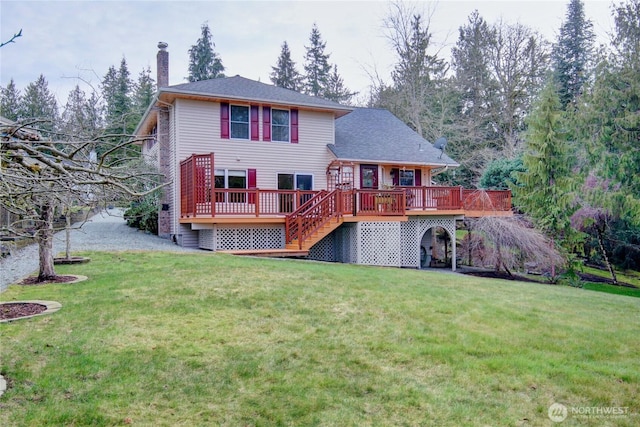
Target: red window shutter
255 124
395 175
224 120
294 126
266 123
417 176
252 184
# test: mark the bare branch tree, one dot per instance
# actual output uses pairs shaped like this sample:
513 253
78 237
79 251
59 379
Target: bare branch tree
38 176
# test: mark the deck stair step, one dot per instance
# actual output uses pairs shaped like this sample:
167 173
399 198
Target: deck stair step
318 235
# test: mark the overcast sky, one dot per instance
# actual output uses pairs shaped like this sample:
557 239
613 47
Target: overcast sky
68 40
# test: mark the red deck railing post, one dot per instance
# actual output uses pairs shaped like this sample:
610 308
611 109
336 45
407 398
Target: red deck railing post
212 184
257 201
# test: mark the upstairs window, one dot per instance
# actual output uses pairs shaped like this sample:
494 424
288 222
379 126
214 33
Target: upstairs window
239 122
280 125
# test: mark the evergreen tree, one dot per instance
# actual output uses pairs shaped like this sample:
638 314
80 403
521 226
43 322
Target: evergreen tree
316 67
117 89
420 95
204 62
284 74
143 93
546 187
75 117
38 104
81 117
10 101
571 55
119 116
627 36
478 107
608 118
336 90
502 174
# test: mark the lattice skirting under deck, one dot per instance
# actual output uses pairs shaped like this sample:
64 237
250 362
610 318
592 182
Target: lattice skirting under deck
242 237
382 243
395 244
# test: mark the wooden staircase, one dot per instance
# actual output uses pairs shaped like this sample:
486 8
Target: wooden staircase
314 220
314 237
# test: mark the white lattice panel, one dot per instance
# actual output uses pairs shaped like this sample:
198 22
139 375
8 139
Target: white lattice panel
410 253
379 243
324 250
249 237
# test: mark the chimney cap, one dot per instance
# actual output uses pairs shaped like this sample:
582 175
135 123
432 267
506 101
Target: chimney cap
162 45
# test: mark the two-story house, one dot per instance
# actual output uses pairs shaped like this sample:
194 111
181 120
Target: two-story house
255 168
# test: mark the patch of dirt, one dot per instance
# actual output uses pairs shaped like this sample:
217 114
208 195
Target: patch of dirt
33 280
598 279
504 276
14 310
499 275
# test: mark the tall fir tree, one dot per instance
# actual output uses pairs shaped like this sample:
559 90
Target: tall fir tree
336 90
572 54
204 62
478 103
81 117
74 119
317 69
120 119
285 74
10 99
419 95
546 188
609 119
39 104
627 34
117 89
143 92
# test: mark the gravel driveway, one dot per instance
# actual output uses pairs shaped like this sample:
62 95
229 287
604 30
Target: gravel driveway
106 231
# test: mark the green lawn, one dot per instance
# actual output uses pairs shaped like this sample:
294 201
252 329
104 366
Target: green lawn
155 339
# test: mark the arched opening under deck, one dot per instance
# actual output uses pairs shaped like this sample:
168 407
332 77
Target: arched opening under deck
437 242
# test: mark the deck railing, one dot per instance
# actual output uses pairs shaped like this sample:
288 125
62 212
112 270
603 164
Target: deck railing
308 218
199 197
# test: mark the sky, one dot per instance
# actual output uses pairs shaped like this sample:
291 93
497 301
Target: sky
75 42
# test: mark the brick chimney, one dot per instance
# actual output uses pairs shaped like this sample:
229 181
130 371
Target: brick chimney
163 65
165 222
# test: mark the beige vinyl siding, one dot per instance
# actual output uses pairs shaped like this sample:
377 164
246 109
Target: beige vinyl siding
198 132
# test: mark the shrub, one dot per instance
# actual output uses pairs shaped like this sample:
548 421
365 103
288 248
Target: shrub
143 213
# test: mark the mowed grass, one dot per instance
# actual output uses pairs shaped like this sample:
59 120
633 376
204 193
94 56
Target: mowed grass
157 339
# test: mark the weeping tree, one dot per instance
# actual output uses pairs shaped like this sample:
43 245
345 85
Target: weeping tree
38 175
508 243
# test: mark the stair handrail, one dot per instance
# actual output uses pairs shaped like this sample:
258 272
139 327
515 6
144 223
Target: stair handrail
312 215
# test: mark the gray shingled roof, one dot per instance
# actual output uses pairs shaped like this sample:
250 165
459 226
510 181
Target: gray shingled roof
369 134
241 88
